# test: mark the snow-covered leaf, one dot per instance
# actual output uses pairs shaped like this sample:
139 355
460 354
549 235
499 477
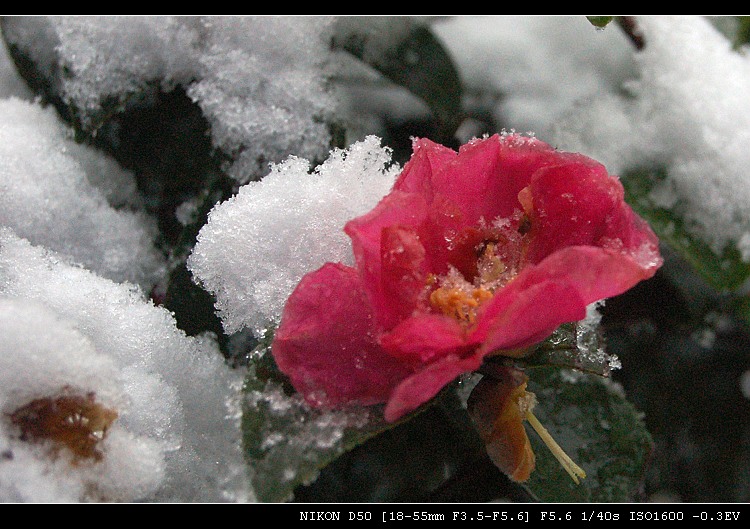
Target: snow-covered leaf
564 349
286 442
725 271
404 464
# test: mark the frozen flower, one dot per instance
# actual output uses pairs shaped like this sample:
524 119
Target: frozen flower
480 252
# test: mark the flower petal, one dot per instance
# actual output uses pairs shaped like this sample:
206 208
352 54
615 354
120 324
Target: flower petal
325 342
580 204
554 292
403 271
525 313
427 158
486 177
596 273
424 385
426 338
388 230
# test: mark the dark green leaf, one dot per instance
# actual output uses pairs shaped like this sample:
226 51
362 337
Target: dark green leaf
741 307
286 442
599 21
408 463
742 35
726 271
192 306
598 428
417 61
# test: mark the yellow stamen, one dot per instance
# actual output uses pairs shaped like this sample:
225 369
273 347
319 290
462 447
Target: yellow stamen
460 299
567 463
458 303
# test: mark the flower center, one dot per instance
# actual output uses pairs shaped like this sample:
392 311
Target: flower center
460 299
459 302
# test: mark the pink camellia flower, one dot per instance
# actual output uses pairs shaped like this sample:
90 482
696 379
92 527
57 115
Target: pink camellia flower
480 252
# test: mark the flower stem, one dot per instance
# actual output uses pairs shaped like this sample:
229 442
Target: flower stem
570 467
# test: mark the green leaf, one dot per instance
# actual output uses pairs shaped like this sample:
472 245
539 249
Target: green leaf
599 21
408 463
598 428
286 442
741 308
725 271
416 60
742 35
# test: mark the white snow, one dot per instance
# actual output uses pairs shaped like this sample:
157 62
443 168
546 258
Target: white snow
264 99
41 353
49 195
259 80
688 111
589 341
537 66
174 439
257 245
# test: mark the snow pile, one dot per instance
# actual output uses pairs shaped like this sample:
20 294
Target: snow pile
59 359
259 80
689 111
537 66
256 246
175 438
50 197
263 97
